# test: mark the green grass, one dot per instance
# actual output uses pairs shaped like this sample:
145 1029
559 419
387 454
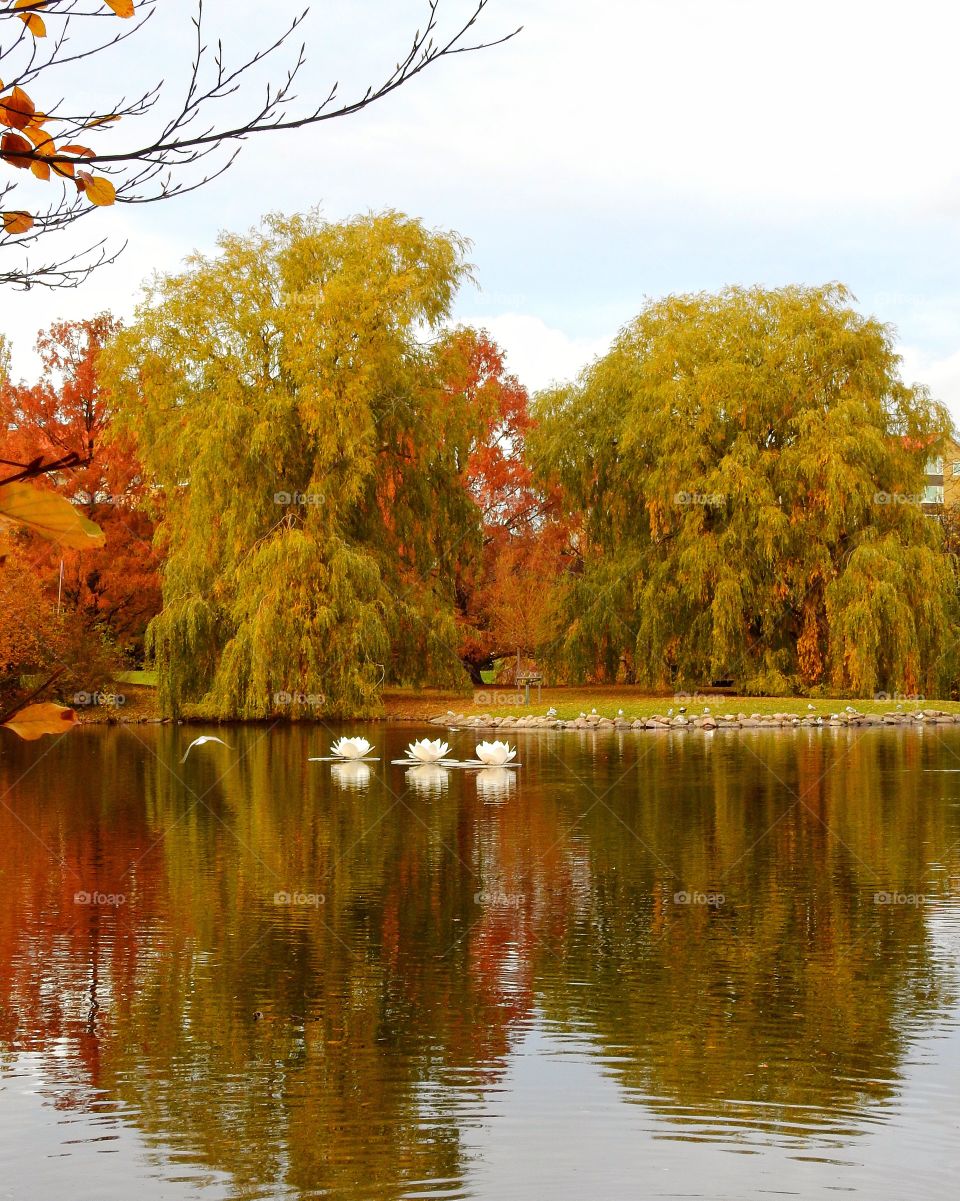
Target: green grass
634 707
147 678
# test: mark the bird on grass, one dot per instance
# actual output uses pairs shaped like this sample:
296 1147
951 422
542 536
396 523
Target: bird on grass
551 712
204 738
809 706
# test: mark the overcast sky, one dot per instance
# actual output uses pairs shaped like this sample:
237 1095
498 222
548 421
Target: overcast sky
614 151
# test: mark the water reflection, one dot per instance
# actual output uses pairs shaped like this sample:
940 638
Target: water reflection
355 776
428 778
350 1044
496 783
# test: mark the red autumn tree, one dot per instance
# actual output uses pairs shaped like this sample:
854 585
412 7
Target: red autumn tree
503 595
114 591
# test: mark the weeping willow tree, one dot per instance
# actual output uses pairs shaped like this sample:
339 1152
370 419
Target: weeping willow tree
748 468
289 403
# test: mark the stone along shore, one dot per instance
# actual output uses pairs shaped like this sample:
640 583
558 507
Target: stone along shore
708 721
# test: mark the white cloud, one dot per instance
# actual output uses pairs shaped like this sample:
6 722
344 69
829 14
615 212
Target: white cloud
940 374
538 354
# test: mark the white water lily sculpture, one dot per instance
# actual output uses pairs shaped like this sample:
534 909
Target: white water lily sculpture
425 751
351 748
347 750
495 754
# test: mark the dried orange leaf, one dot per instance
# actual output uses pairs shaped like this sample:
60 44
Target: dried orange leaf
63 169
123 8
40 170
16 109
100 190
17 223
74 149
104 120
45 718
12 149
48 514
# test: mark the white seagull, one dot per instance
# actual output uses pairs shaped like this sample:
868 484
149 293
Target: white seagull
204 738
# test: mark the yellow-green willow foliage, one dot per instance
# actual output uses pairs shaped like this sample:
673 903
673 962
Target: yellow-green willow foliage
286 398
747 467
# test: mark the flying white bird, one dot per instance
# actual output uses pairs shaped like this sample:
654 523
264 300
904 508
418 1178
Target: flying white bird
204 738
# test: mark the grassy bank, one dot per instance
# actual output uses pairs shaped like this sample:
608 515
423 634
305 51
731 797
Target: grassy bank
139 701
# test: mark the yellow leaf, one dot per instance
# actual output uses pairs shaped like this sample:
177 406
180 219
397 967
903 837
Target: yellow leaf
123 8
48 514
46 718
17 223
100 190
101 120
35 24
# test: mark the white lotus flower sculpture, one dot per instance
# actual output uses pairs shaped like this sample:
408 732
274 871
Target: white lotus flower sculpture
351 748
347 750
495 754
425 751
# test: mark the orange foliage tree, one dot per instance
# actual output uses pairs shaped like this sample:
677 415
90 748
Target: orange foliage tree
65 416
504 594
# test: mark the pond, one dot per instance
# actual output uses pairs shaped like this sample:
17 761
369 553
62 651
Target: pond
641 965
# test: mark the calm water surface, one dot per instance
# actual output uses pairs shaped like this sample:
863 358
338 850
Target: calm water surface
641 966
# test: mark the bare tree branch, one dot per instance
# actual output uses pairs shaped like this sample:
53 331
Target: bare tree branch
52 144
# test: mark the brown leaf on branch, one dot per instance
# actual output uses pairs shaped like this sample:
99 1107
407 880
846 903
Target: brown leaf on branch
17 223
123 8
12 149
17 109
32 20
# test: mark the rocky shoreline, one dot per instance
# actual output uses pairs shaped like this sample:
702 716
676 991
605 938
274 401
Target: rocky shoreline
707 723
